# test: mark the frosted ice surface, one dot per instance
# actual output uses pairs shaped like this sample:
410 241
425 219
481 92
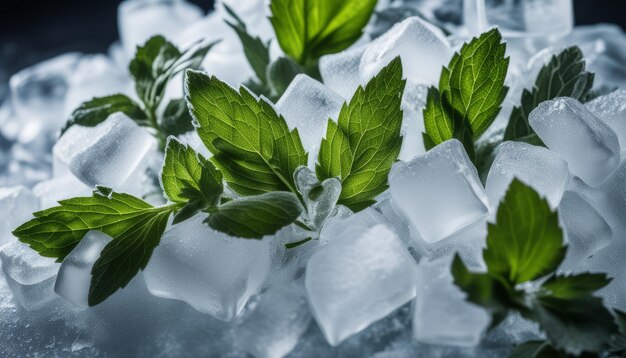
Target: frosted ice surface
412 39
611 108
118 150
441 313
74 277
138 20
611 203
358 279
50 191
307 105
586 231
214 273
538 167
276 323
29 275
346 223
75 140
17 205
439 192
520 18
589 145
340 71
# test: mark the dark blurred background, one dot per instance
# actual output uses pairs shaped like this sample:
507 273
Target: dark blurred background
32 30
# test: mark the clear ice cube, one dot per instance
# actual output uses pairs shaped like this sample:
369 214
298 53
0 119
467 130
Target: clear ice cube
423 48
589 145
214 273
520 18
340 71
439 192
358 279
307 105
276 323
538 167
74 277
441 313
611 108
17 205
111 158
29 275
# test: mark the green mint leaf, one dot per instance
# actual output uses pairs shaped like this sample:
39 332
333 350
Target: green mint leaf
188 176
574 286
526 242
252 145
253 217
176 119
536 349
257 52
308 29
361 147
280 73
563 76
135 226
471 92
97 110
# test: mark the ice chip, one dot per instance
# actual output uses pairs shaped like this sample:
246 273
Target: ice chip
611 109
538 167
439 192
51 191
74 277
586 230
358 279
423 48
110 159
272 330
138 20
307 105
211 271
17 205
29 275
589 146
441 313
340 71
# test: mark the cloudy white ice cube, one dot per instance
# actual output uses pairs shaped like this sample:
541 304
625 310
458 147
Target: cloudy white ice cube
537 167
215 273
611 109
51 191
441 313
439 192
412 39
358 279
74 276
340 71
589 145
17 205
29 275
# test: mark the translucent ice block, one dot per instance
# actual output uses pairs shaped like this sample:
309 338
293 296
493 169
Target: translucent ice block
611 109
17 205
358 279
438 192
589 145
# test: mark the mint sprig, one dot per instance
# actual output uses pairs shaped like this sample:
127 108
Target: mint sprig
525 246
470 93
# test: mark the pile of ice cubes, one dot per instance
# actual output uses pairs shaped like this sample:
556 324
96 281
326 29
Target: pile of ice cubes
377 282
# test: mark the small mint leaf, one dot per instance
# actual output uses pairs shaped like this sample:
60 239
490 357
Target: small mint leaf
97 110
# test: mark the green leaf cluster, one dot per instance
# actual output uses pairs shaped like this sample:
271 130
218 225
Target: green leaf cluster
524 249
152 68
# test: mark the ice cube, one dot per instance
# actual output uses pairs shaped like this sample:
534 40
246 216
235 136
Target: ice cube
422 47
611 200
213 272
439 192
277 322
51 191
589 146
441 313
74 277
307 105
29 275
611 108
586 231
521 18
346 223
538 167
340 71
114 151
358 279
17 205
138 20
